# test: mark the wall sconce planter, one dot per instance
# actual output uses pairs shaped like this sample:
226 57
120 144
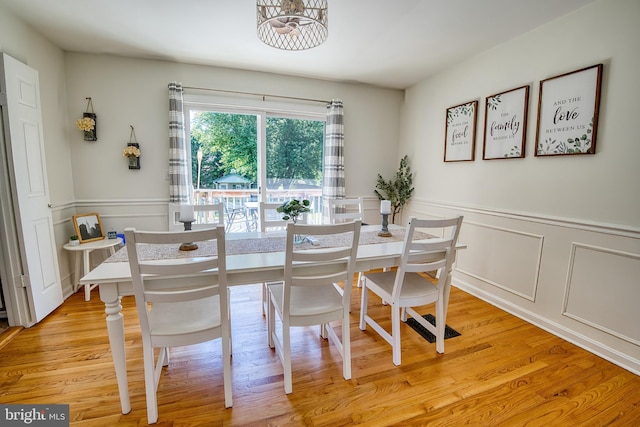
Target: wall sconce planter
132 151
88 122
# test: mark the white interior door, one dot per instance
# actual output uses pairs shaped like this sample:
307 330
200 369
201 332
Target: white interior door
31 199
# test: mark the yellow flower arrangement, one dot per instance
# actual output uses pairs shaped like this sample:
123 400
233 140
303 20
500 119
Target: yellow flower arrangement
86 124
131 151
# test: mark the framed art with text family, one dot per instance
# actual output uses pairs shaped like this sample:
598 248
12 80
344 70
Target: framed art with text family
568 113
460 132
505 124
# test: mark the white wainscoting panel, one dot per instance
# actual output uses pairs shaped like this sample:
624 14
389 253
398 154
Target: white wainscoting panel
603 290
505 258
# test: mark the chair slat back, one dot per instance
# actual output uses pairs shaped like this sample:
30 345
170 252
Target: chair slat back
210 271
434 254
345 210
270 218
322 266
207 216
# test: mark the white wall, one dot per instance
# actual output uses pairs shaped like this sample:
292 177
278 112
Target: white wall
555 240
134 92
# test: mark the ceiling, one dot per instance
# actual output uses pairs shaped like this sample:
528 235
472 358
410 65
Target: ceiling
388 43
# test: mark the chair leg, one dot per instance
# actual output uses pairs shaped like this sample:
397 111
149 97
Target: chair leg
395 334
264 299
440 326
150 383
271 320
166 356
286 357
364 300
226 367
346 348
323 330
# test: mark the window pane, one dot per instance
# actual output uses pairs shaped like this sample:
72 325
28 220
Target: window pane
227 171
294 161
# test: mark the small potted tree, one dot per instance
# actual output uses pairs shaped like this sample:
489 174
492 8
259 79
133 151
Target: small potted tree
398 190
73 240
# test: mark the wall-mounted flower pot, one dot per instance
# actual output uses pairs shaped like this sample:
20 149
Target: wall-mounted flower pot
91 135
134 162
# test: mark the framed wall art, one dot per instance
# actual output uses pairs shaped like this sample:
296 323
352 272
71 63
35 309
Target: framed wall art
505 124
568 113
460 133
88 227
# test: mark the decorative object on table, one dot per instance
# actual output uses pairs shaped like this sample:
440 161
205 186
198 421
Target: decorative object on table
385 210
460 133
398 190
112 235
187 216
87 123
505 124
132 151
291 210
88 227
568 113
73 240
292 24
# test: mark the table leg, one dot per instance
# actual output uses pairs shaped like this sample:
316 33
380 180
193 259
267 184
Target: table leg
86 255
76 266
115 328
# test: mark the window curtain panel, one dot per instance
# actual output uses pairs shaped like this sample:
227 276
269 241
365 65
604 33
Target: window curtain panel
179 171
333 184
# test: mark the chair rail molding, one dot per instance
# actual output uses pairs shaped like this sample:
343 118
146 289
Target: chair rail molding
605 228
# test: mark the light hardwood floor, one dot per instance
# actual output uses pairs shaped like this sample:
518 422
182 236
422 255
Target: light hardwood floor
501 371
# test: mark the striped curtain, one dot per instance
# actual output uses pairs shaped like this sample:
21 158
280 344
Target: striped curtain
333 184
179 171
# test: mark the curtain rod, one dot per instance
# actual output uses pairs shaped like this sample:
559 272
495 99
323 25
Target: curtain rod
262 95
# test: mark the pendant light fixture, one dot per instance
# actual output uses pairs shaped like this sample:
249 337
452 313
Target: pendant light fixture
292 24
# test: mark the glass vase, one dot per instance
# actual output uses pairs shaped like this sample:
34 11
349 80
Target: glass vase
297 238
134 162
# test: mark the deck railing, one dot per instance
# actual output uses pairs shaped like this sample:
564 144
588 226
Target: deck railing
240 211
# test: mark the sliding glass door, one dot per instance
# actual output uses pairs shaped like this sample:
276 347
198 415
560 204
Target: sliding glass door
242 157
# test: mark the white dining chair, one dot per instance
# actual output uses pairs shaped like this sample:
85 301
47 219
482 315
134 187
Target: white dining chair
310 294
206 216
345 210
270 220
406 287
191 308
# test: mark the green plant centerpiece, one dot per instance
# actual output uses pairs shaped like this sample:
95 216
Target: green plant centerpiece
73 239
291 210
398 190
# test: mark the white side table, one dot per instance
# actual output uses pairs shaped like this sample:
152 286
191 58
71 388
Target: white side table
86 249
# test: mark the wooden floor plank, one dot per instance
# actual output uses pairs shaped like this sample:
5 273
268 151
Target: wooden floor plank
500 371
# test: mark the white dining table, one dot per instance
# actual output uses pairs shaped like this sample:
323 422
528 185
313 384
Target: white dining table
114 281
